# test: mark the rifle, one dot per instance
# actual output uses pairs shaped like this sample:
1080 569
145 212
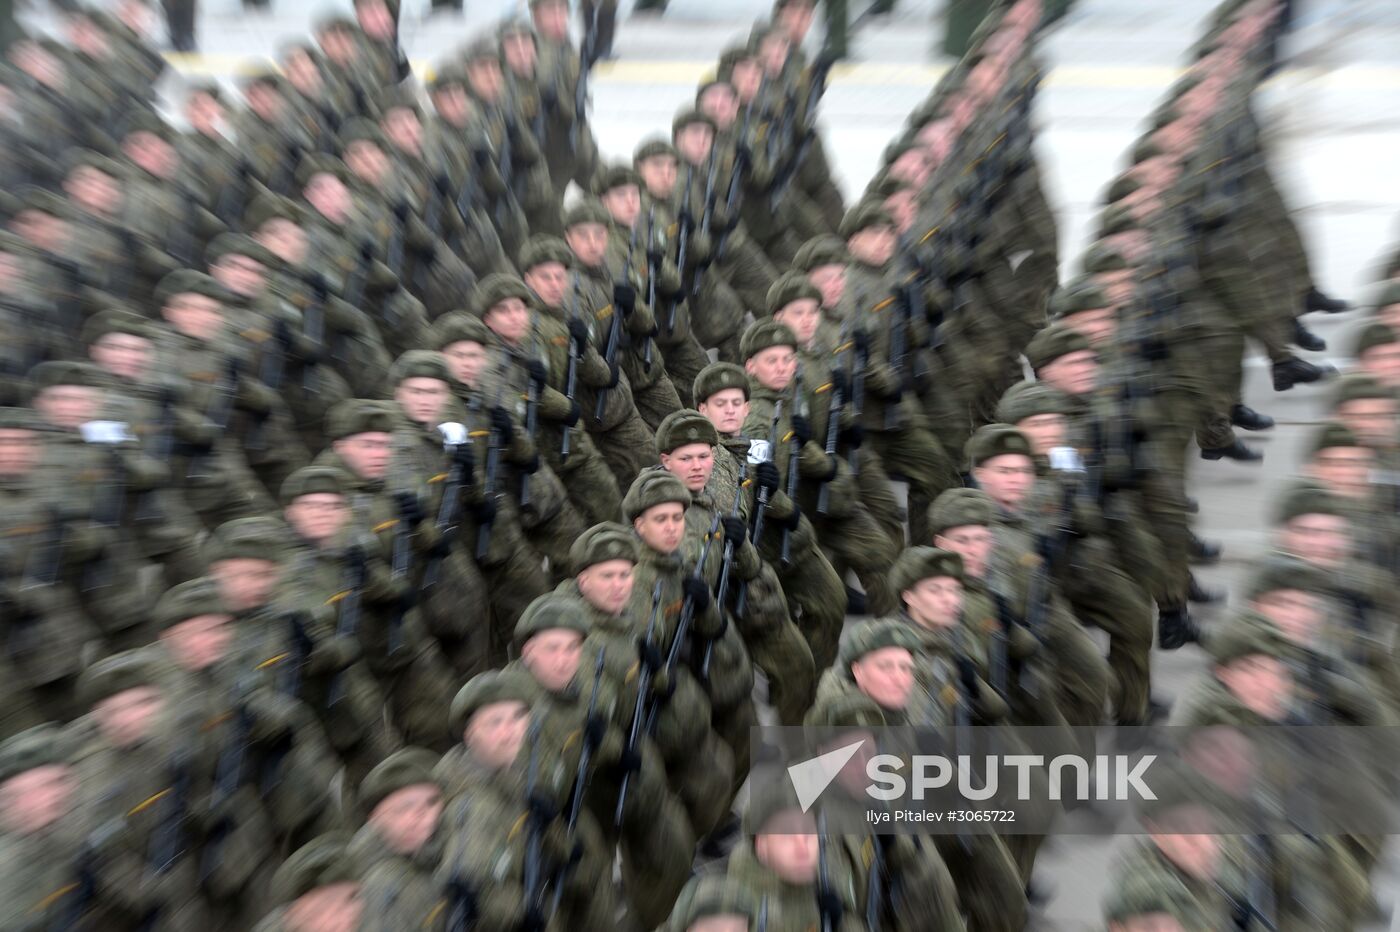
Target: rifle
228 778
588 54
505 165
860 359
297 657
615 331
1050 547
42 569
313 326
580 777
875 885
219 413
534 919
161 446
826 896
448 516
794 454
763 915
722 590
461 901
571 380
821 69
706 214
532 409
653 275
685 224
356 572
743 159
761 507
400 570
833 430
680 639
899 353
639 709
488 489
1001 639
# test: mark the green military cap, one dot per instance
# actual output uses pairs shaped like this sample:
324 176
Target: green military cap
1373 335
319 163
846 710
21 419
587 210
863 216
188 281
333 19
360 416
920 563
269 206
192 599
1053 342
239 244
448 75
1332 436
601 543
1076 296
257 538
995 440
870 636
1390 294
419 364
790 287
1137 895
1028 399
485 689
1121 187
718 376
515 26
402 769
818 251
1101 257
780 5
87 158
711 895
1356 386
1116 218
41 746
770 794
495 288
49 374
209 87
1228 643
402 97
550 612
147 121
650 148
689 116
458 327
730 57
892 152
887 186
116 320
359 129
960 508
616 176
322 862
542 248
1279 571
267 76
535 3
129 669
481 49
1185 83
44 201
765 334
683 427
1145 149
314 480
1164 115
651 488
1305 499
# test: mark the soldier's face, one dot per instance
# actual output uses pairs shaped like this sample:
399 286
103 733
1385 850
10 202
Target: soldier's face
1390 316
721 104
1324 540
1260 683
1383 364
789 847
773 52
550 282
329 196
802 318
694 141
466 359
367 161
452 104
36 62
796 21
265 101
125 355
552 657
747 78
319 517
728 923
830 281
624 204
1297 614
509 320
37 798
43 230
129 717
1344 470
497 731
692 464
285 239
243 275
484 75
93 189
912 166
338 44
194 315
205 114
873 245
375 19
551 20
368 454
589 241
1151 922
662 527
852 777
68 406
85 36
1074 373
1008 479
727 409
151 153
659 175
973 542
773 368
886 676
302 72
334 908
936 136
1101 323
245 583
902 205
200 642
1044 431
519 51
1371 419
936 602
404 129
19 452
607 586
407 818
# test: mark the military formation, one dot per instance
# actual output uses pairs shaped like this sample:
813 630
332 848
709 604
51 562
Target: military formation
409 512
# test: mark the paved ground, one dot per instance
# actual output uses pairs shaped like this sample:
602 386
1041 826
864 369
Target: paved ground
1337 127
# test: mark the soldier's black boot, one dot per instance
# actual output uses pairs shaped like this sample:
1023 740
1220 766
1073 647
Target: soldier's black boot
1315 300
1200 595
1236 451
1202 552
1246 418
1304 338
1294 371
1175 628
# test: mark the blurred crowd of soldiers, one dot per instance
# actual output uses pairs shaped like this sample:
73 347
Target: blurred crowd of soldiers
409 511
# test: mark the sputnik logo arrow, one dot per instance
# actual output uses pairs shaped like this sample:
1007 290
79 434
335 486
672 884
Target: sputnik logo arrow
811 777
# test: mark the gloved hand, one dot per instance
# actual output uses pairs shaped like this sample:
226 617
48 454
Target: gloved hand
801 429
401 211
967 676
698 592
486 510
532 467
409 508
624 298
537 372
578 332
503 425
734 529
766 474
572 418
853 436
